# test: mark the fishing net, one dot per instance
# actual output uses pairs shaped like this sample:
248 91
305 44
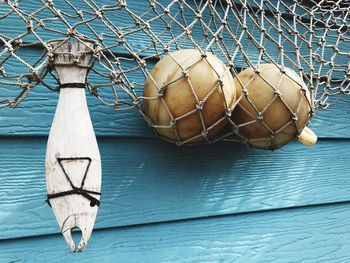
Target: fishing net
309 37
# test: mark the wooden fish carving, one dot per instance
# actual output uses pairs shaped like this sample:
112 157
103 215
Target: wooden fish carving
73 163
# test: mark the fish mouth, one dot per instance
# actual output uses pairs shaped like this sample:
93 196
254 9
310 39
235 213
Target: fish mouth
79 222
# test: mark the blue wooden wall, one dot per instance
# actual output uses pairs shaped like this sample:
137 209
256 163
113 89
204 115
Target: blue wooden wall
161 203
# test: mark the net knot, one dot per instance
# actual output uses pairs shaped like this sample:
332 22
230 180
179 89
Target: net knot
100 38
80 13
33 75
199 105
204 133
8 47
229 3
71 32
295 117
161 90
12 103
136 104
277 92
245 91
49 2
123 4
143 63
17 42
172 123
99 14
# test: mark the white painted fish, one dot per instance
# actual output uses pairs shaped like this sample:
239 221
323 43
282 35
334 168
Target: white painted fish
73 163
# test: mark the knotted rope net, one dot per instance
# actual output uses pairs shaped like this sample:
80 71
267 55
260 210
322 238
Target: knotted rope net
309 37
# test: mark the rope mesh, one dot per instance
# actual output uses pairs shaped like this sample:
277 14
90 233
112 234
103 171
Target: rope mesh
309 37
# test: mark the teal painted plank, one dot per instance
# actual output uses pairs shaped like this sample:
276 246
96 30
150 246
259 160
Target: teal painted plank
312 234
333 122
147 180
34 115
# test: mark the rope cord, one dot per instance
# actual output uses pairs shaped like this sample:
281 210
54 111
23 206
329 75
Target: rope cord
76 190
72 85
